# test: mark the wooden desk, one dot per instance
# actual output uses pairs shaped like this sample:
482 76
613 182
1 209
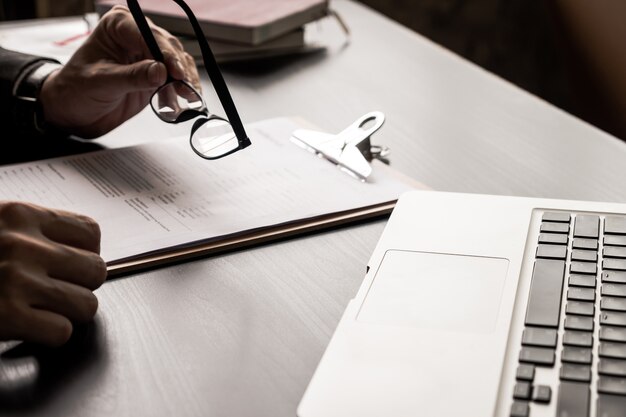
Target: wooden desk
241 334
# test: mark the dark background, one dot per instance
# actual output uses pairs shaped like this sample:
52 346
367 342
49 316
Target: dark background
515 39
523 42
536 45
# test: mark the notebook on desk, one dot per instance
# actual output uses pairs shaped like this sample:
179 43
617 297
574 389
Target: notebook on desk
249 22
484 306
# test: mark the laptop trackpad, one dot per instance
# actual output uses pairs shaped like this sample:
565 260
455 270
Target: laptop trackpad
436 291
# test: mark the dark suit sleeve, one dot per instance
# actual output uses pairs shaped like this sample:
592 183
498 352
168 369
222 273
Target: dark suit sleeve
12 65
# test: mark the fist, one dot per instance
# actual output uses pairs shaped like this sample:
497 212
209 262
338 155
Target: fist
49 268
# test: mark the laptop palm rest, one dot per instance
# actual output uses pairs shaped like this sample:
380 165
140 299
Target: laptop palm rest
436 291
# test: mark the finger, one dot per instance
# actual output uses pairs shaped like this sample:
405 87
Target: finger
173 52
174 41
123 30
118 27
186 91
74 302
169 107
174 64
40 326
76 266
71 229
194 77
139 76
57 225
79 267
63 262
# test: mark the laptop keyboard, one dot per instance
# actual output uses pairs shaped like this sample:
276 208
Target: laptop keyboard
576 313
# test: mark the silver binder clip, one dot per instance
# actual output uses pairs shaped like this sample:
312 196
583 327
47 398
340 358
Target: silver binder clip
351 149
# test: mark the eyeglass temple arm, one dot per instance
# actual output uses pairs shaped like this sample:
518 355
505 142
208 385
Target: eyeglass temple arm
144 28
216 76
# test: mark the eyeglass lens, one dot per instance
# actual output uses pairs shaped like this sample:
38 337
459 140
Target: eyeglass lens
177 101
213 138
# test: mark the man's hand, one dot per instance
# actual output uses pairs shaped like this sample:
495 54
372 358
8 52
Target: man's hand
49 266
112 76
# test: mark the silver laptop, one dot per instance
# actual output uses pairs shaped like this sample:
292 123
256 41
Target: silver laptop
484 306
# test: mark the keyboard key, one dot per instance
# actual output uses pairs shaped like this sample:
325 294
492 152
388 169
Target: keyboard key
581 243
573 354
583 268
613 303
537 356
551 251
613 318
618 277
616 264
612 385
579 280
581 294
616 290
553 239
525 373
615 225
554 228
579 323
546 289
615 367
581 308
520 409
611 406
612 350
534 336
575 338
575 372
612 334
614 240
556 216
542 394
587 226
584 255
614 252
522 391
573 400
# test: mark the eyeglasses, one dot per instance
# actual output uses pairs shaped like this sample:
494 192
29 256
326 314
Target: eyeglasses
176 101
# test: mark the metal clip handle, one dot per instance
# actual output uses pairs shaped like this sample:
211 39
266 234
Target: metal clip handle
363 136
351 149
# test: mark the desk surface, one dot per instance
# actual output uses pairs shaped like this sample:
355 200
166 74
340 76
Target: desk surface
240 334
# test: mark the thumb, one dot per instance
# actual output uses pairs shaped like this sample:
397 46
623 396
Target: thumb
143 75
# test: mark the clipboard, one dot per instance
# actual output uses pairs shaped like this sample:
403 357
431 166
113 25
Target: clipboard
356 137
158 203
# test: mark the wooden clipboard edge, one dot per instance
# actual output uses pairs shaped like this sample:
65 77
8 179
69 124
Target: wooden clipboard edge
255 238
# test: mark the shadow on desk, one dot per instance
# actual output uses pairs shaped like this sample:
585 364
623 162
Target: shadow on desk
26 149
31 376
273 65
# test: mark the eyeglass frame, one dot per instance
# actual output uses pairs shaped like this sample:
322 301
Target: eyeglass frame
211 68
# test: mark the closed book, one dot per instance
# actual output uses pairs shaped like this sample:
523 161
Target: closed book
250 22
222 49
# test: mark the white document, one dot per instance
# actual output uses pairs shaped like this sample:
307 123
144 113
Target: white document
161 195
52 38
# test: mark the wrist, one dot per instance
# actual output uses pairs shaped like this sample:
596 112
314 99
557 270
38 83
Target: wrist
48 96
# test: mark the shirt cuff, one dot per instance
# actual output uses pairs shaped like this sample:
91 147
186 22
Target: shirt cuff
28 112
